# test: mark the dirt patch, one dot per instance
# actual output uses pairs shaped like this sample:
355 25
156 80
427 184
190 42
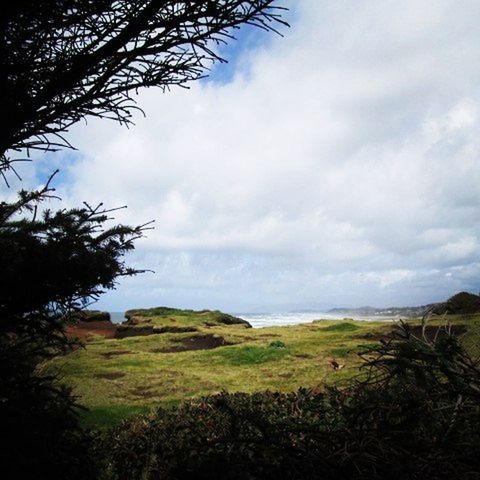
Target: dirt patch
199 342
115 353
303 355
173 329
143 392
286 375
417 330
110 375
83 330
124 331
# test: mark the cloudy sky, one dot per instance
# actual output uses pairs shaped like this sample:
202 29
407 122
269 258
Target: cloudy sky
337 166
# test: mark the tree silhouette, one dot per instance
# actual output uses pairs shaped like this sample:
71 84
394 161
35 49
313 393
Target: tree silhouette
53 264
61 61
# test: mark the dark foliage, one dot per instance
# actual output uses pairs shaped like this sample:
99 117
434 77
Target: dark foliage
53 264
39 419
418 413
61 61
415 416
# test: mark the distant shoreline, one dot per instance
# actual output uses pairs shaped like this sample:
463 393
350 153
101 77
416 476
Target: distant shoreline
280 319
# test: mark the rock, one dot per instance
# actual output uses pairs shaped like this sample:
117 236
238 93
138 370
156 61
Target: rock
227 319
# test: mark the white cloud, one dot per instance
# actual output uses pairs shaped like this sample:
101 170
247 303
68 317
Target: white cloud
340 165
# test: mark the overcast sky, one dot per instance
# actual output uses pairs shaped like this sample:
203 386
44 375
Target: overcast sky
337 166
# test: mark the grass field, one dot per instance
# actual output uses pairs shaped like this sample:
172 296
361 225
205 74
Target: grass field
115 378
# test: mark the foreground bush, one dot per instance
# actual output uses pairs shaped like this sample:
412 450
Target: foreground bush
414 415
39 424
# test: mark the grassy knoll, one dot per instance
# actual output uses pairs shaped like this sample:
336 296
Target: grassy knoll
115 378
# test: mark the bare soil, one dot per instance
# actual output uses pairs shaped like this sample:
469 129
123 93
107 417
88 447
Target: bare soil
115 353
143 392
110 375
83 330
199 342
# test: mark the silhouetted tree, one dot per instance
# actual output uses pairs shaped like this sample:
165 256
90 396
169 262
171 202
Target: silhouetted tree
63 60
53 263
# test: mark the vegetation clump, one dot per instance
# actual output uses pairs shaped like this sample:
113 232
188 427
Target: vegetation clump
341 327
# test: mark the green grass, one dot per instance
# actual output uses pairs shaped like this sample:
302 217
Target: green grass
118 378
250 354
341 351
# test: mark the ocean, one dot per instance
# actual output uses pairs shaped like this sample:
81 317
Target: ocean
260 320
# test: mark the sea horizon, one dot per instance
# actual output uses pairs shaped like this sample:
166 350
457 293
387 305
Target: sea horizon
278 319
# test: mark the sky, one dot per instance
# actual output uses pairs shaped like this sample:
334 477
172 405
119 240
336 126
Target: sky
338 165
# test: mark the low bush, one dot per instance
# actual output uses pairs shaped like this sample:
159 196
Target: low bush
39 424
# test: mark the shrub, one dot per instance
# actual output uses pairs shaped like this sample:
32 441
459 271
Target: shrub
227 436
39 422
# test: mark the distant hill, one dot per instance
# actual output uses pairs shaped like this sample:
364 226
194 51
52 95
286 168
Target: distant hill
462 303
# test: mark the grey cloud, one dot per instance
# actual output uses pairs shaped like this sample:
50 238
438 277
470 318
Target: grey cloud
339 166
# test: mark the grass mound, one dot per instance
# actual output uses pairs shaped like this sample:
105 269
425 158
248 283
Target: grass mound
341 327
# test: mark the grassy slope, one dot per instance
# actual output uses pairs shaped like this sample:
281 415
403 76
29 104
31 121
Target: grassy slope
115 378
